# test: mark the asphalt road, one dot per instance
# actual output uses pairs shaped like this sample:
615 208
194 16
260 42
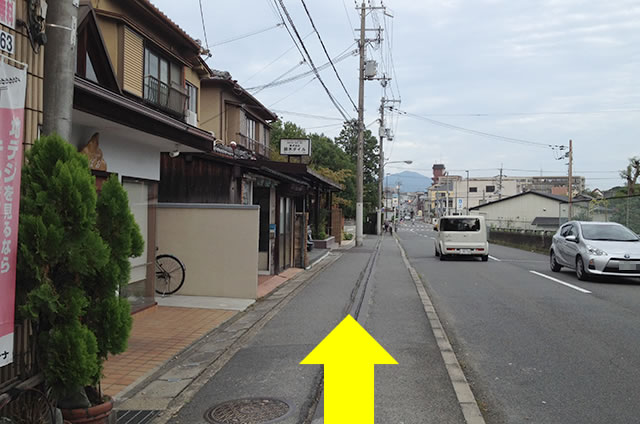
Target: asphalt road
534 349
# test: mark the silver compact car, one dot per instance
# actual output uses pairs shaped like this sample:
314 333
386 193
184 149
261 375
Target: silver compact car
596 248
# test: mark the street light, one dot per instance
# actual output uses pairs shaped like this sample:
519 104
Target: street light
380 205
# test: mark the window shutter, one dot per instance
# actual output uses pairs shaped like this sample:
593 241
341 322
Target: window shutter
133 62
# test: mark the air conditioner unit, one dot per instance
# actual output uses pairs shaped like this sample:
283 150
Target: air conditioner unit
191 118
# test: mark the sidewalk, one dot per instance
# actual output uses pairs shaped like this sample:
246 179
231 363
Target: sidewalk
161 332
157 335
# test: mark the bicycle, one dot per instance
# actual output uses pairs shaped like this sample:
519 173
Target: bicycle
170 274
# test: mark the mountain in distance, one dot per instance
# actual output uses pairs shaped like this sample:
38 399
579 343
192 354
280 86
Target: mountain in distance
409 181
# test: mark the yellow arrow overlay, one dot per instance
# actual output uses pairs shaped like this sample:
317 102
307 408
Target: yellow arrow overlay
349 355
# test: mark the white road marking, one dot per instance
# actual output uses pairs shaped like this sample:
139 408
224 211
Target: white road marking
580 289
432 238
495 259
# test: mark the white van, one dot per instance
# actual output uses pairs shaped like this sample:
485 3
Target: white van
462 235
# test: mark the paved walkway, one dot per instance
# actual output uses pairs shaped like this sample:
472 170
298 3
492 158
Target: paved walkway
157 335
268 283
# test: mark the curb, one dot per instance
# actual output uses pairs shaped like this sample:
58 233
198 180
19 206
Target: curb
466 399
312 264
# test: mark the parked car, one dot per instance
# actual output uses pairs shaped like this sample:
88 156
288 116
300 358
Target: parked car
596 248
464 235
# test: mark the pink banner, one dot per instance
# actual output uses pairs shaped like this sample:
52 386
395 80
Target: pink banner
13 83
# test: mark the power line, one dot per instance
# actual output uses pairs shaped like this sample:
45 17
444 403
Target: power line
333 100
249 34
534 113
204 30
351 28
292 93
327 54
279 81
323 126
274 60
278 78
275 2
479 133
306 115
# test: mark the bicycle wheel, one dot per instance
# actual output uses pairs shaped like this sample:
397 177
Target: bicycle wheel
170 274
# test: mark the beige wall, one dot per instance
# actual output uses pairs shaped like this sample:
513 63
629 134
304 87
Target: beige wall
218 245
520 211
110 33
210 116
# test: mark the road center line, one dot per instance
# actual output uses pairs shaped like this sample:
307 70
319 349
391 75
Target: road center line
495 259
580 289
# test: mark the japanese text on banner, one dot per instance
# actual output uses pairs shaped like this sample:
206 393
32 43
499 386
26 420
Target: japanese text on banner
12 94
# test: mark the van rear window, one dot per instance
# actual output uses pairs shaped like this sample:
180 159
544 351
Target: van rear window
459 224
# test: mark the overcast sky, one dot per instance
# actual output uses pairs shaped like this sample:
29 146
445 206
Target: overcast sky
543 71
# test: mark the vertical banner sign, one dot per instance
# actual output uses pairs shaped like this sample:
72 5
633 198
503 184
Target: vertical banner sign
13 84
8 13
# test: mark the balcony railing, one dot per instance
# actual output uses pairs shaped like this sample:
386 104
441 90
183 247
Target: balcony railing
255 146
165 97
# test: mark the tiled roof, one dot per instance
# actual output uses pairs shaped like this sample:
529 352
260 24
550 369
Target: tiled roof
175 26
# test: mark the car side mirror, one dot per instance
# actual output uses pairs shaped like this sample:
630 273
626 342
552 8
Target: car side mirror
571 238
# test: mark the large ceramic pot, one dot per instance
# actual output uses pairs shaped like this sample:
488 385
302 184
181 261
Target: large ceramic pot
98 414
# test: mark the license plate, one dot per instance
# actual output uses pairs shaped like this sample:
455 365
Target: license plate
465 250
629 266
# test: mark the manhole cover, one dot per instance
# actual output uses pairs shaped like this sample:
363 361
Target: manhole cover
247 411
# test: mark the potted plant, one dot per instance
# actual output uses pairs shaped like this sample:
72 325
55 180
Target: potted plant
73 258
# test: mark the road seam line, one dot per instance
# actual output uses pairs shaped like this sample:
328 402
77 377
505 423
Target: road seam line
461 387
580 289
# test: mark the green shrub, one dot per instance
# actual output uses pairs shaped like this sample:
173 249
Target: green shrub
73 257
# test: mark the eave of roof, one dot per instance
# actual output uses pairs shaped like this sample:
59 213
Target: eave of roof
160 14
301 170
241 92
561 199
96 100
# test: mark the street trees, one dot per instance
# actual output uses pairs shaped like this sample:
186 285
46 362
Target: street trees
348 141
631 174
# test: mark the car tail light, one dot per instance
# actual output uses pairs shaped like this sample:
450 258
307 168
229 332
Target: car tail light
480 250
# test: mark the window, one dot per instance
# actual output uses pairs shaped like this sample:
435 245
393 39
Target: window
161 69
459 224
566 230
192 97
90 71
251 129
473 189
163 83
490 189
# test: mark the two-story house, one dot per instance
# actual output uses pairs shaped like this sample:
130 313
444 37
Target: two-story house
233 114
136 95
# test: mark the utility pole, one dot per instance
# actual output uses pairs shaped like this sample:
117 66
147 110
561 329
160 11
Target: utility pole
500 184
383 102
360 162
380 169
60 67
570 180
467 192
